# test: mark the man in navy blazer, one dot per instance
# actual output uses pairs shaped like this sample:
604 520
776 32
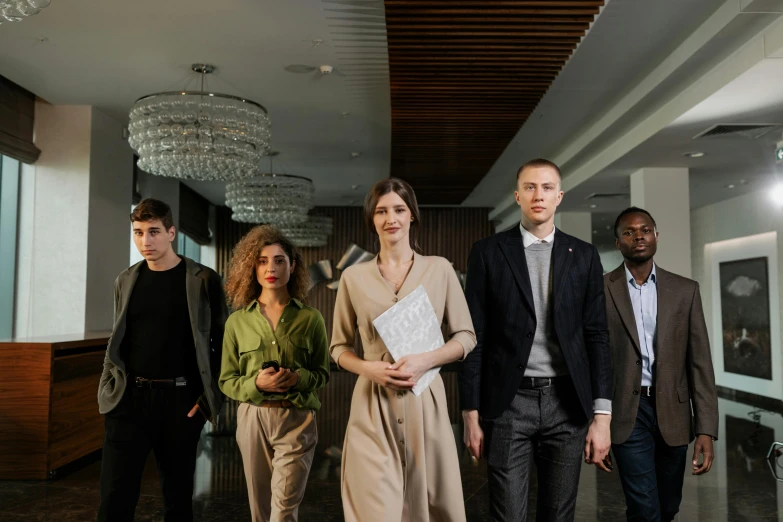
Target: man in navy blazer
537 387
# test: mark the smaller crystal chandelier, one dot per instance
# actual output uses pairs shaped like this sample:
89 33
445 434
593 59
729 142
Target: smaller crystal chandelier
278 199
311 233
18 10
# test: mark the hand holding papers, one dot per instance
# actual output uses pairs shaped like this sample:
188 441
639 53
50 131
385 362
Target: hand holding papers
411 327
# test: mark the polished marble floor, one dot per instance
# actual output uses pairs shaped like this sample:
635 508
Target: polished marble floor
740 487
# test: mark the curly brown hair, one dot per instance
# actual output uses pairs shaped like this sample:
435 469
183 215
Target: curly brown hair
242 287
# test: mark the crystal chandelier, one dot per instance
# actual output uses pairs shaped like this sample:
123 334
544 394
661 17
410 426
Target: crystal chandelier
199 135
311 233
278 199
18 10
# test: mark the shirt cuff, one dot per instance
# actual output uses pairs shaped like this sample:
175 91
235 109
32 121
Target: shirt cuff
602 406
337 351
304 376
252 393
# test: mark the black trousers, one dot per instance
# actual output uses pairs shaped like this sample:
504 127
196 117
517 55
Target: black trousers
150 420
542 425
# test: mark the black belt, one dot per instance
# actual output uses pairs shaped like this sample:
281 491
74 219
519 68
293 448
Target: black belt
141 382
647 391
529 383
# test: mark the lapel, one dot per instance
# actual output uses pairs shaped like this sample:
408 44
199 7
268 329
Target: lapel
514 252
127 289
193 285
562 254
666 308
618 288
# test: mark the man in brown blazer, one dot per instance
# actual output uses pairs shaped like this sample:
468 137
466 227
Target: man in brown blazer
664 384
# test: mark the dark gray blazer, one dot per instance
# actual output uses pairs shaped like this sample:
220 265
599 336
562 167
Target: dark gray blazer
208 313
683 365
500 299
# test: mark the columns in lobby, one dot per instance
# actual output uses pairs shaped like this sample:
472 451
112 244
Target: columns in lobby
665 193
73 222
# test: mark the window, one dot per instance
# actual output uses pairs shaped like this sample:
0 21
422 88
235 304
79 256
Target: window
9 214
187 247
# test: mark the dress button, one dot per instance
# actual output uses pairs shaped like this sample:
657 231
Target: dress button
636 392
519 367
399 421
400 394
282 320
638 363
395 299
530 335
274 342
402 443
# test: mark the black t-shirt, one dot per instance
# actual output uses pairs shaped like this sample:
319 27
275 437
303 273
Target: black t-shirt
158 342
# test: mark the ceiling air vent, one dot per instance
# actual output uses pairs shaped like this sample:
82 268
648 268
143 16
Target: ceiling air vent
608 195
750 131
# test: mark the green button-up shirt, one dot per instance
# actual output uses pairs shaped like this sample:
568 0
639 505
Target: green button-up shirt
299 343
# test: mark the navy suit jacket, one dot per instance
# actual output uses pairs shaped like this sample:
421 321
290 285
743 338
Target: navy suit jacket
500 299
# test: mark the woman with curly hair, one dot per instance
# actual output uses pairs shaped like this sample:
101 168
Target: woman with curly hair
399 456
275 358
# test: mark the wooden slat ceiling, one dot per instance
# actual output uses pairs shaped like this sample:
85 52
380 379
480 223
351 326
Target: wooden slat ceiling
464 77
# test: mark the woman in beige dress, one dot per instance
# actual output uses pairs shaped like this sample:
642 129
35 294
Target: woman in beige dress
400 459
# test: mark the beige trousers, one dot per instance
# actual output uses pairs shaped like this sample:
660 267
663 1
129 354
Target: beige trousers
277 446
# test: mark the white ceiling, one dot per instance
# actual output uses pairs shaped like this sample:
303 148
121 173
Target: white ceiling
110 53
747 164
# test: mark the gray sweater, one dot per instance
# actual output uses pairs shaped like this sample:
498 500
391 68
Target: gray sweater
546 358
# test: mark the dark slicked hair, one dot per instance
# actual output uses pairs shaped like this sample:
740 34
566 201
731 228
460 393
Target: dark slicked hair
538 163
631 210
151 209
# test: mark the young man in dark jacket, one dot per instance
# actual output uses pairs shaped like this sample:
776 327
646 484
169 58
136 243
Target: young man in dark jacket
159 381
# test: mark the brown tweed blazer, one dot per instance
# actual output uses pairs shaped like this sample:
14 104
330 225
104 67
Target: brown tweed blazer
684 381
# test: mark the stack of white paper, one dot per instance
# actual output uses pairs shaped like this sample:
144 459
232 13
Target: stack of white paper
411 327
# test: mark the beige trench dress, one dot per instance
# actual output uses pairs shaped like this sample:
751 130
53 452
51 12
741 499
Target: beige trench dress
399 456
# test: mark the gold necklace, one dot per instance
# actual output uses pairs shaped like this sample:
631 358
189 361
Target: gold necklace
398 282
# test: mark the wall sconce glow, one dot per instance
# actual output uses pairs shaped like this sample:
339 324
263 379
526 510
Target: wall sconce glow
777 193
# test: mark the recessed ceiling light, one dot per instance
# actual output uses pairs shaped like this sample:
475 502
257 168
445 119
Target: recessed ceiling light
355 154
344 114
593 206
595 231
694 154
355 187
729 186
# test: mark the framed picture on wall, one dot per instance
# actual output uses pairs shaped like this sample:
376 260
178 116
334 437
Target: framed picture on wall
744 303
741 296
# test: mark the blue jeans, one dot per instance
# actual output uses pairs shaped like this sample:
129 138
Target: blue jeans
651 471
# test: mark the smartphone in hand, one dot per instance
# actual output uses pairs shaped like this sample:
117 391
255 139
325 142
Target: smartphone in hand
271 364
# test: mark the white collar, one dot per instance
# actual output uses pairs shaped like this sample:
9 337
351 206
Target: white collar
529 239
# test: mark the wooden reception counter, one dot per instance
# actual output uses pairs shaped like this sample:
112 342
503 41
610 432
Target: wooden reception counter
48 403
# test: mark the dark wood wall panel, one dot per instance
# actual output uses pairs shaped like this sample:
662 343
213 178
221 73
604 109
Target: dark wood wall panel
464 76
